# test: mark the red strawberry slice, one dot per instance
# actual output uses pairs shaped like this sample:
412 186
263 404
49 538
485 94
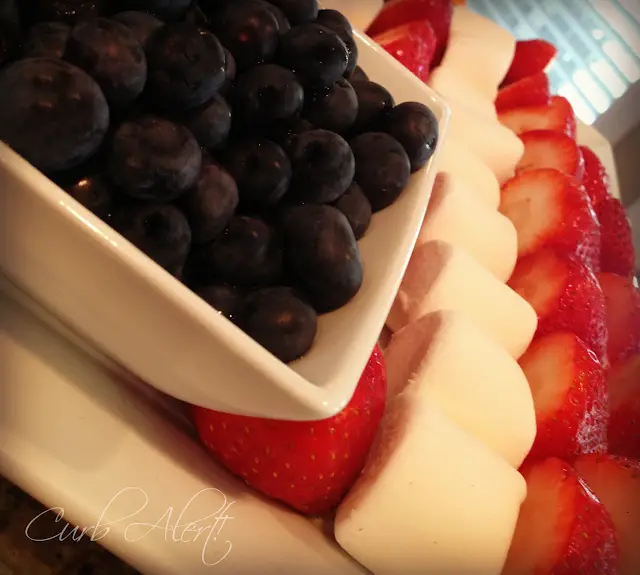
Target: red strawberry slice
562 528
547 149
557 116
308 465
624 406
398 12
617 254
616 483
550 209
622 305
531 57
413 45
595 179
566 296
530 91
570 397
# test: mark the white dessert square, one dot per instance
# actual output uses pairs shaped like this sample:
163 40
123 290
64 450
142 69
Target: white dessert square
457 216
441 276
447 359
431 499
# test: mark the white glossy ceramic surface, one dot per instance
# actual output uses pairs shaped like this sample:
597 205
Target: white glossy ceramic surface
118 299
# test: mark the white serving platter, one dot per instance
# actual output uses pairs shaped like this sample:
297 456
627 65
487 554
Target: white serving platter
108 291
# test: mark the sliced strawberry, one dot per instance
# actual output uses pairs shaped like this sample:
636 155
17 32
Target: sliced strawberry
413 45
624 406
531 57
308 465
557 116
566 296
562 528
547 149
530 91
595 179
398 12
617 254
616 483
622 305
570 397
550 209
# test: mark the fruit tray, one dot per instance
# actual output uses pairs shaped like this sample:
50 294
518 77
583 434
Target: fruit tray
76 435
119 282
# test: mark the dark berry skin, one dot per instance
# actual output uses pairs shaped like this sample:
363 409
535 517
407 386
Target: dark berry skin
167 10
249 30
210 123
52 113
374 104
280 322
223 298
382 168
109 52
229 72
211 203
261 169
186 67
283 131
283 22
141 24
298 11
322 164
332 108
247 254
153 159
10 36
358 75
47 40
96 194
160 231
314 53
357 208
266 94
69 11
416 128
322 253
337 22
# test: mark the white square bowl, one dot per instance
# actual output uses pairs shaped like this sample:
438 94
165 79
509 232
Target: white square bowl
117 298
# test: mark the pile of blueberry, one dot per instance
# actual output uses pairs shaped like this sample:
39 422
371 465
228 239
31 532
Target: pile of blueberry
235 142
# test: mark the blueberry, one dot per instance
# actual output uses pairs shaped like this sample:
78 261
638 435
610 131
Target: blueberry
298 11
416 128
332 108
141 24
249 30
210 123
154 159
196 16
229 72
109 52
69 11
382 168
52 113
315 53
374 103
280 322
223 298
248 254
265 94
358 75
261 169
321 250
283 131
283 22
167 10
337 22
96 194
357 208
47 39
211 203
323 166
186 66
160 231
